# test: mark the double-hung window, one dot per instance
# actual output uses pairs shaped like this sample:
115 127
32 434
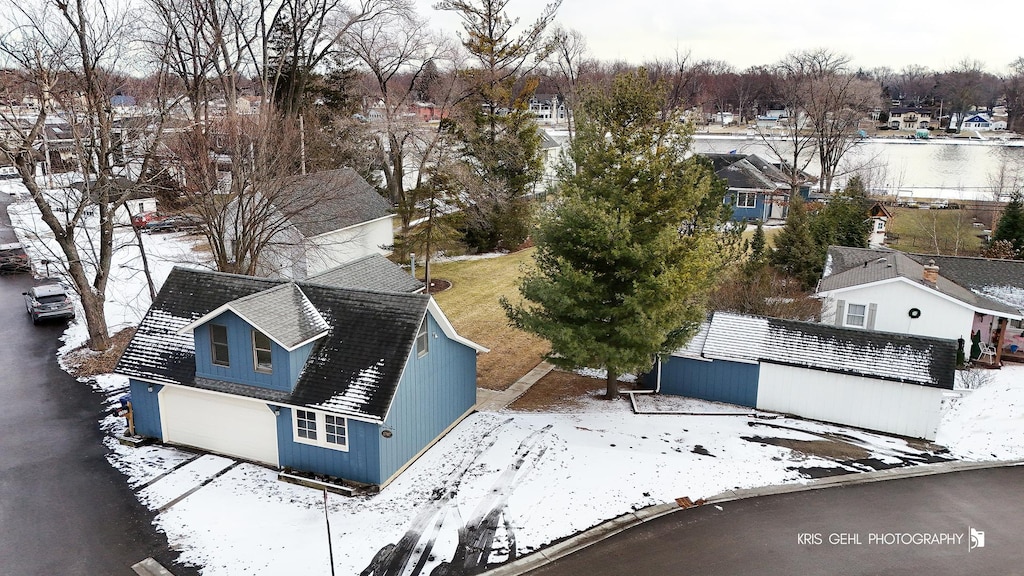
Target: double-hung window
855 314
746 199
320 429
261 352
219 345
422 340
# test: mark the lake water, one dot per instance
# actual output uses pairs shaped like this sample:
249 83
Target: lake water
966 170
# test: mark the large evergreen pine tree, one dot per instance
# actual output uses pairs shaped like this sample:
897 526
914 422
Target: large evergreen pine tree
797 253
1011 225
628 253
844 219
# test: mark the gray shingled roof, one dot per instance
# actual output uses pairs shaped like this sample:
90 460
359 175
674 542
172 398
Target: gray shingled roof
881 355
332 200
371 272
847 267
748 171
353 370
999 280
283 313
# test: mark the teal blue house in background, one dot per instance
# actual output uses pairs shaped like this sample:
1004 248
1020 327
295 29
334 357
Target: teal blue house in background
316 378
757 189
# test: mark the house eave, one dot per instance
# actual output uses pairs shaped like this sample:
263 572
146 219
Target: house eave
351 226
349 415
228 307
943 295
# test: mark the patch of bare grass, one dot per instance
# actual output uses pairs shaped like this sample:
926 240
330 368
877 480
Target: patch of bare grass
472 306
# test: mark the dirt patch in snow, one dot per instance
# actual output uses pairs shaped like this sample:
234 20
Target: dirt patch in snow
832 450
561 391
83 362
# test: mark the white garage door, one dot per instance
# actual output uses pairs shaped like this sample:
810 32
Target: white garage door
222 424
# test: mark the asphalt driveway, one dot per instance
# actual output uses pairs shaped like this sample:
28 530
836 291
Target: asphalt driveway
63 508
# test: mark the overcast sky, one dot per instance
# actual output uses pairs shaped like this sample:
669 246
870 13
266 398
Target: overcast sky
937 34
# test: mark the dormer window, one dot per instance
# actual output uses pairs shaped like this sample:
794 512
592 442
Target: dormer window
261 352
219 345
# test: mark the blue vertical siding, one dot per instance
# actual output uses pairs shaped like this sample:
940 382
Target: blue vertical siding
242 370
744 214
435 390
718 380
360 463
146 409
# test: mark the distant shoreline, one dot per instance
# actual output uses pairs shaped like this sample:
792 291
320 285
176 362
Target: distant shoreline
1010 143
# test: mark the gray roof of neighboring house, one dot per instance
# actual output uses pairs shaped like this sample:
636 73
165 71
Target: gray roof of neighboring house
283 313
331 200
748 171
1000 280
846 267
371 272
546 141
881 355
354 370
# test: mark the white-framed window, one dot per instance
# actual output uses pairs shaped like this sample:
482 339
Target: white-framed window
880 226
219 352
856 314
305 424
261 353
422 340
320 429
746 199
335 430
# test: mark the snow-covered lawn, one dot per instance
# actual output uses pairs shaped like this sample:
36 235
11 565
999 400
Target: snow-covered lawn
507 480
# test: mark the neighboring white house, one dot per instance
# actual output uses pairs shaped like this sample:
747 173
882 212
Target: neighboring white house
331 217
548 107
938 296
551 156
977 122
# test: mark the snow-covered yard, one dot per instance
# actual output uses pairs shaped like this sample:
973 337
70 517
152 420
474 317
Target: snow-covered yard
507 482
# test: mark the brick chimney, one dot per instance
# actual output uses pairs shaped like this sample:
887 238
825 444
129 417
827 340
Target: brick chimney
931 273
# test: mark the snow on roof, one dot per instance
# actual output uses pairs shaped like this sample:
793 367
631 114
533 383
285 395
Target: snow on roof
284 314
897 357
354 369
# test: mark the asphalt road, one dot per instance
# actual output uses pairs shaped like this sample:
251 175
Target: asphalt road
910 526
63 508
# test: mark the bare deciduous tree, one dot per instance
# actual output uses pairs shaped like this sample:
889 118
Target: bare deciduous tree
69 54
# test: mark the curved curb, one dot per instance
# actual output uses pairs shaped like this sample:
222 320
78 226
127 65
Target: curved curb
612 527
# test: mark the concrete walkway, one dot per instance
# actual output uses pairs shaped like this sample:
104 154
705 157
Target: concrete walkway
494 400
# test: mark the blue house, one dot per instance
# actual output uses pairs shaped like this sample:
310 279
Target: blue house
312 377
757 189
876 380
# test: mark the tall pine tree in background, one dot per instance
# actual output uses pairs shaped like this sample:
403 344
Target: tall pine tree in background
628 253
1011 225
499 136
844 221
797 253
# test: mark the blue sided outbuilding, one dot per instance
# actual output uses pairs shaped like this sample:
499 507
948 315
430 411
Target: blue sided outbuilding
314 376
875 380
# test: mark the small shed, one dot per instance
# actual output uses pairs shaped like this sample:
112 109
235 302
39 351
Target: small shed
875 380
